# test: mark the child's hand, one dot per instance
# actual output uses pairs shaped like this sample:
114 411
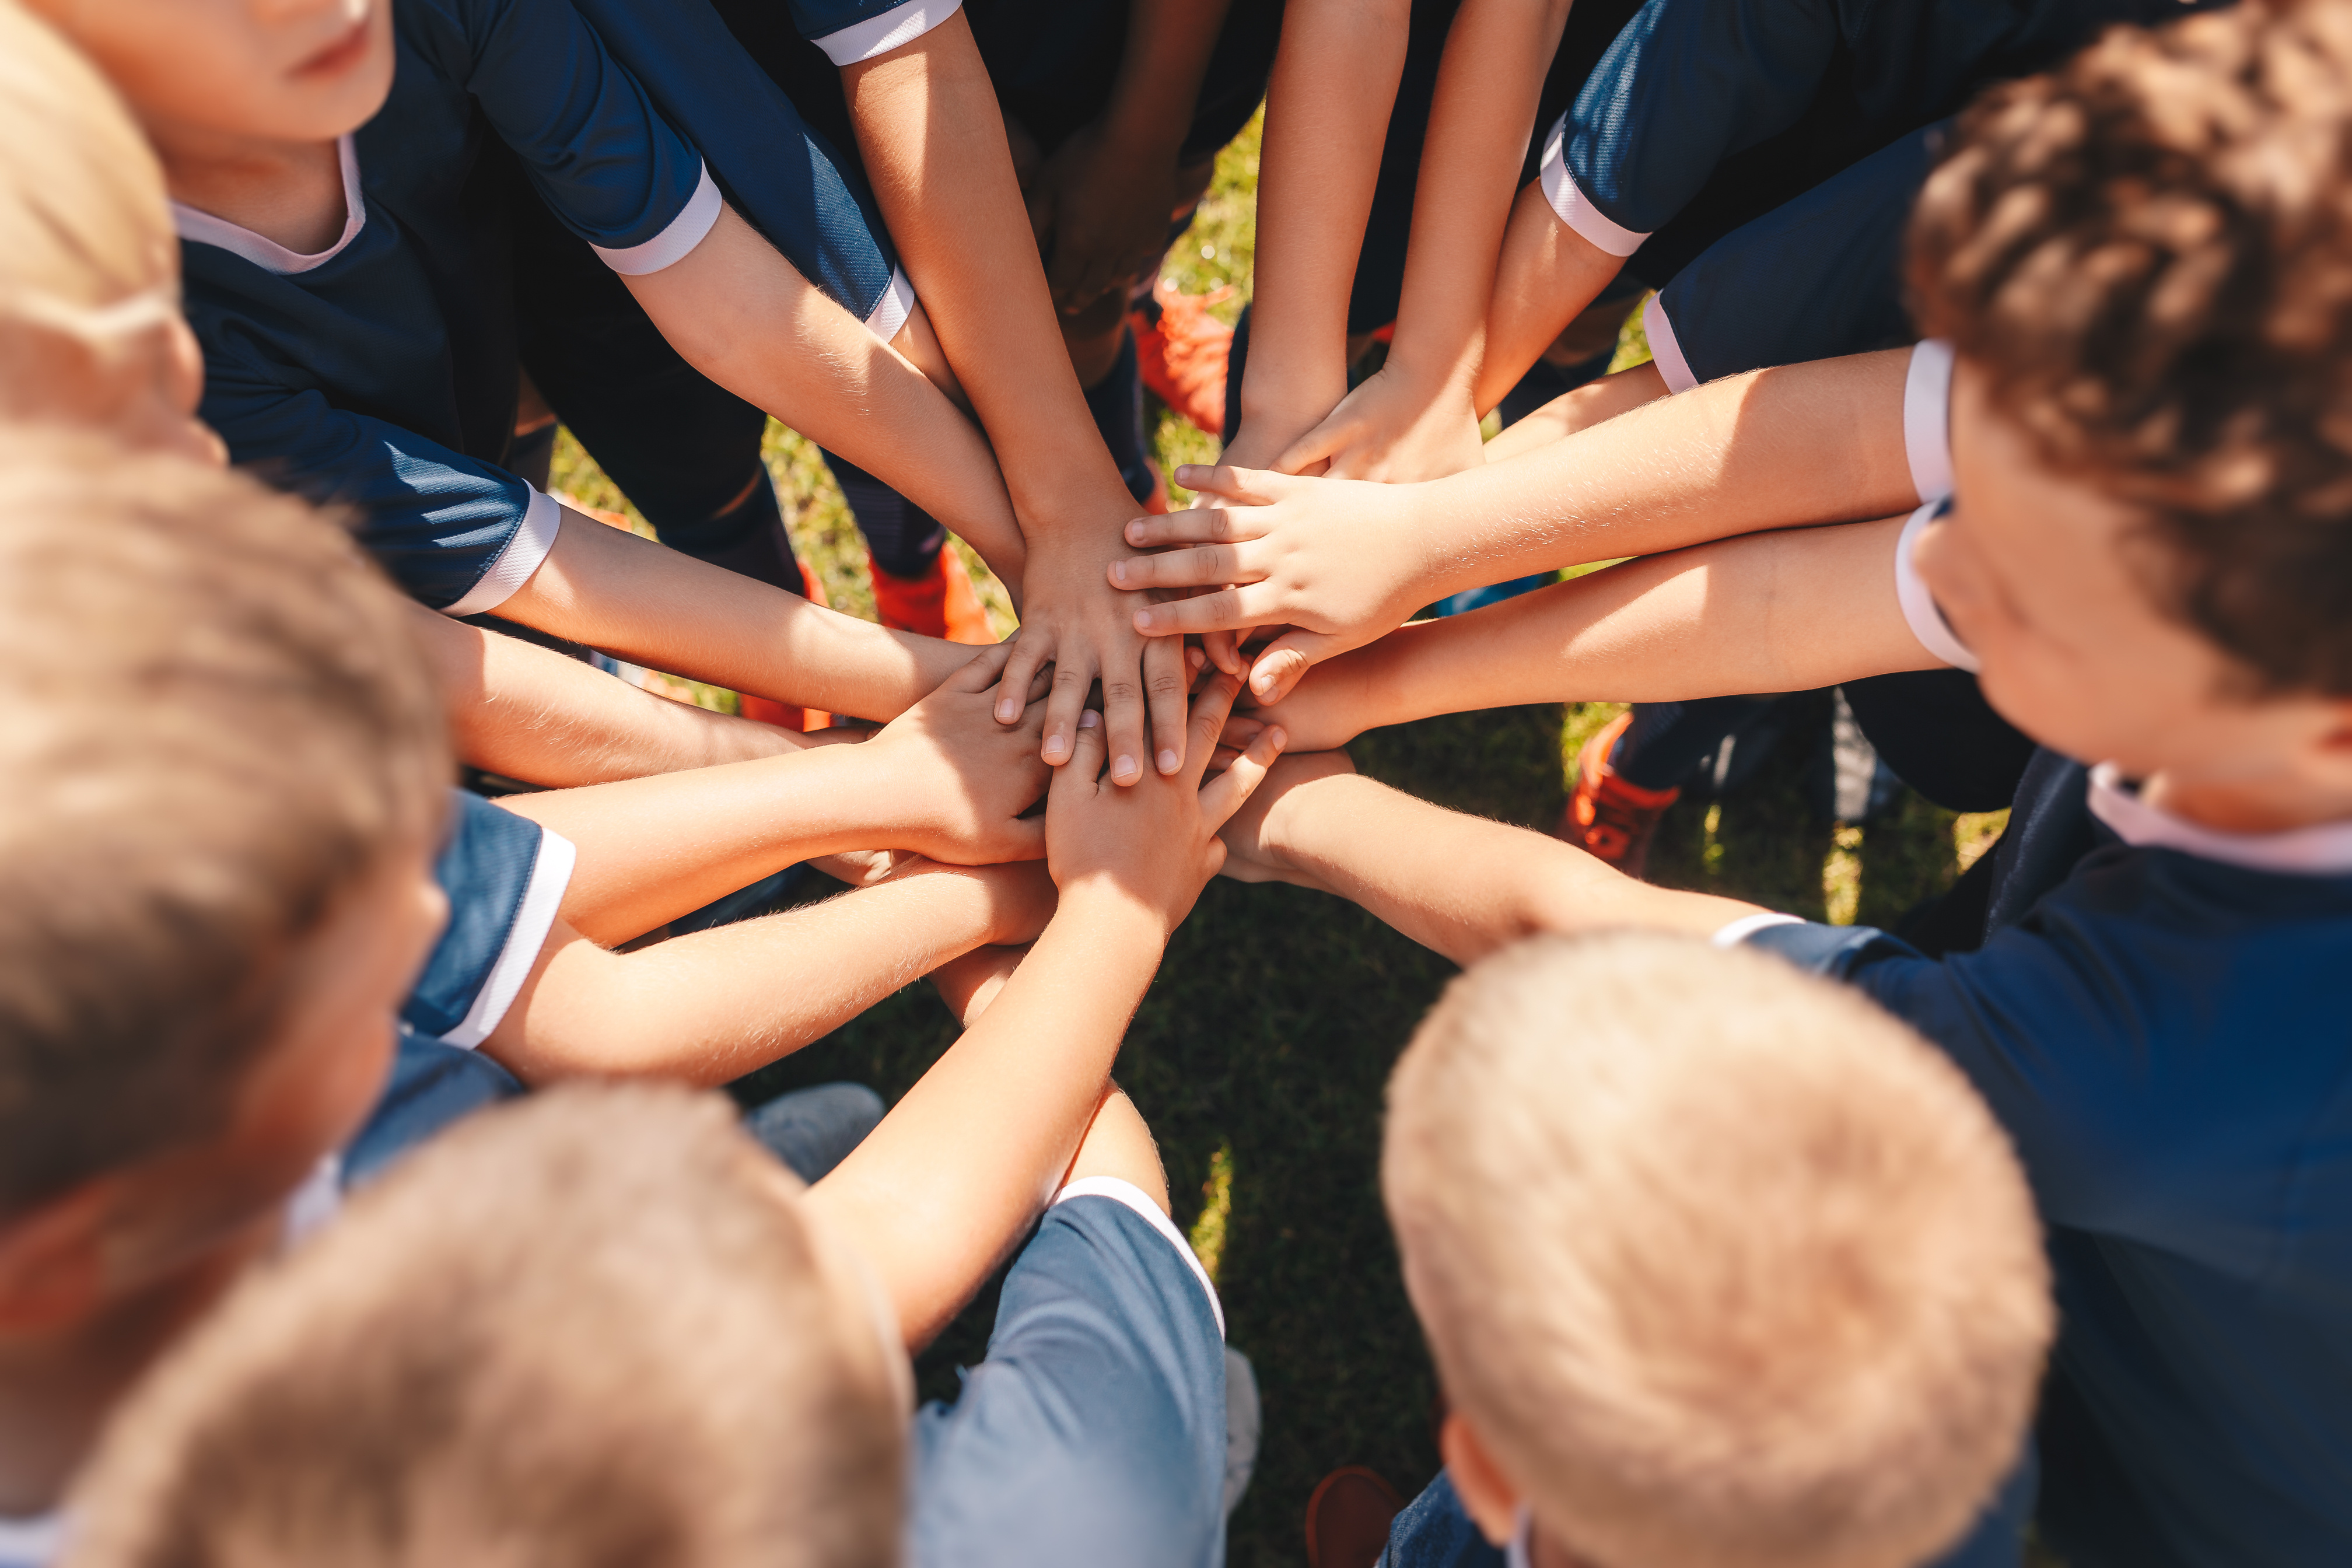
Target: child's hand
1330 707
954 781
1153 845
1338 564
1392 428
1253 835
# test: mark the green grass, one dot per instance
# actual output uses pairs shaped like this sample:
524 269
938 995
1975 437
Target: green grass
1260 1053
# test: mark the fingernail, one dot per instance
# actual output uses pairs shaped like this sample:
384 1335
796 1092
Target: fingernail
1125 769
1006 710
1169 761
1134 532
1119 571
1089 719
1056 748
1143 620
1279 737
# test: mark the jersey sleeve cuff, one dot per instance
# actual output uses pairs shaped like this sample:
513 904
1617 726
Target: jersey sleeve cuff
1132 1196
533 918
1746 926
1927 418
542 519
1666 350
897 303
1920 610
1574 207
880 35
672 244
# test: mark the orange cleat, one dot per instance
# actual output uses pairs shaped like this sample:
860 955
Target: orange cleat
940 604
1607 815
1182 350
1348 1519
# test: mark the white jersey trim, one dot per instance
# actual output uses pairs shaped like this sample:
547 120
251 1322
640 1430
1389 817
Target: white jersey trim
1521 1554
1927 418
676 239
315 1202
1131 1196
1665 349
188 222
1573 207
542 520
534 918
1746 926
1919 607
2325 850
32 1543
880 35
897 303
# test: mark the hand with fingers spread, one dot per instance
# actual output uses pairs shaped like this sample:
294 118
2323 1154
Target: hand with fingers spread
1076 624
961 779
1337 561
1393 428
1150 849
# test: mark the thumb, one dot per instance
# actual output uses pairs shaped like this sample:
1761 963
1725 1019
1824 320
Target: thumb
1079 778
1318 446
982 671
1284 662
1244 487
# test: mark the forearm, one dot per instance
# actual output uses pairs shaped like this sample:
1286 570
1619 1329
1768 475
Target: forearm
1479 122
655 607
707 1007
736 312
1335 79
947 1183
1462 885
1787 610
527 713
1160 73
1571 412
933 142
652 849
1547 275
1821 442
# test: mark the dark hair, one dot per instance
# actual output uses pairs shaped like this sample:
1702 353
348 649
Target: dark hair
2147 253
213 721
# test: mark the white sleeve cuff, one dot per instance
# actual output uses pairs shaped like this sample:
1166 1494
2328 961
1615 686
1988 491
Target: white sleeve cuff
1666 352
897 303
1129 1194
534 918
672 244
1746 926
1919 608
1575 209
542 519
1927 418
880 35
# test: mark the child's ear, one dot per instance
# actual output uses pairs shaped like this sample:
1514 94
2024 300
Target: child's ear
53 1261
1487 1495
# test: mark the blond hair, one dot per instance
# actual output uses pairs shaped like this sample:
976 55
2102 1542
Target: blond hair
214 723
581 1330
1725 1266
86 240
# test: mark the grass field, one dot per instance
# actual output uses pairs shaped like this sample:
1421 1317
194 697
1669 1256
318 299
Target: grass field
1259 1056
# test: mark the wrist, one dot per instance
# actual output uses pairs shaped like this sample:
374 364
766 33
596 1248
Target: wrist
1102 905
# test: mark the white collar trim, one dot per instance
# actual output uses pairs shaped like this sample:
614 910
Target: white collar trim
1521 1552
268 253
33 1541
2325 850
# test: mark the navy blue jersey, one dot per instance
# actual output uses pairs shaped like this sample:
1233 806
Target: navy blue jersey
505 877
381 372
1814 85
1094 1431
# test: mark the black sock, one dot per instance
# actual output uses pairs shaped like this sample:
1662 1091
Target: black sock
903 539
1117 404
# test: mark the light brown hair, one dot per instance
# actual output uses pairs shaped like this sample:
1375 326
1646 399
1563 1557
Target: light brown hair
586 1329
2147 254
213 722
1724 1265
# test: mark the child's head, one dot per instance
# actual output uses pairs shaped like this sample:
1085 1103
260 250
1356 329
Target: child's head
2145 261
212 75
224 770
91 332
597 1326
1721 1266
